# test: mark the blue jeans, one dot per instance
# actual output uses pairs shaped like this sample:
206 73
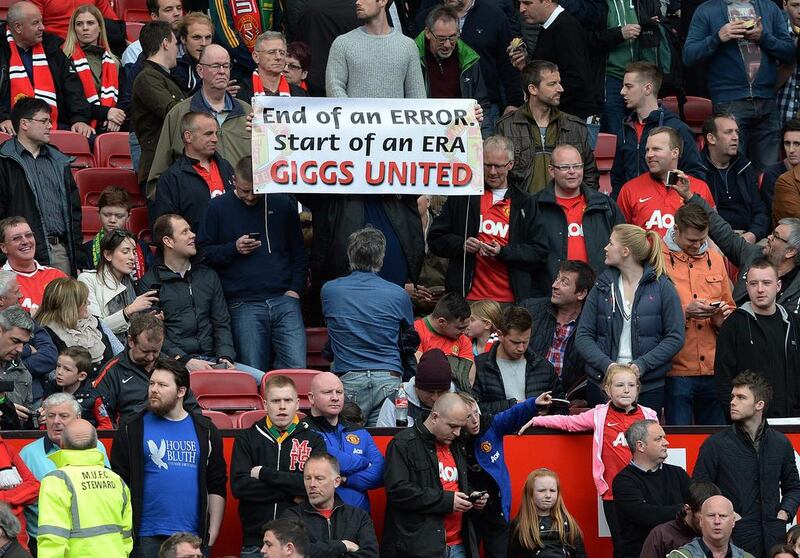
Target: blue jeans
136 150
368 389
759 129
614 111
654 399
594 130
254 372
456 551
269 335
490 117
693 396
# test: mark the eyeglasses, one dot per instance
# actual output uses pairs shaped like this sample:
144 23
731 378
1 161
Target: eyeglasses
295 67
273 52
490 166
776 235
20 237
43 121
451 39
574 167
216 67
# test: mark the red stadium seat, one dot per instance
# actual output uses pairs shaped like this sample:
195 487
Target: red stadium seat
139 221
75 145
4 6
90 222
316 337
604 151
221 420
133 11
4 137
132 30
113 150
249 418
695 111
92 182
302 379
225 390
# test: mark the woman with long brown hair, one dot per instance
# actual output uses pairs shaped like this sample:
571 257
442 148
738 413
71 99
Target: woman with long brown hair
544 528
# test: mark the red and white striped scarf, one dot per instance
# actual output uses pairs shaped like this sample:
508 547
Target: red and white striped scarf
258 87
109 79
21 86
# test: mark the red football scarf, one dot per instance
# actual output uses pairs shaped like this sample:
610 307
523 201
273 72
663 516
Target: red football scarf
258 87
21 86
109 80
249 18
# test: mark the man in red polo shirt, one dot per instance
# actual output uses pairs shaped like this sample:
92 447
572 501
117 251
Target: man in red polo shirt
197 176
647 200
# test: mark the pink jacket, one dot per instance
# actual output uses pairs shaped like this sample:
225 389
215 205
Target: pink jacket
591 419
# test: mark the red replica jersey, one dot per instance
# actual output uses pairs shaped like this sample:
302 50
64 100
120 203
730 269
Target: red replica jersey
31 285
648 203
429 339
615 453
448 475
574 209
490 279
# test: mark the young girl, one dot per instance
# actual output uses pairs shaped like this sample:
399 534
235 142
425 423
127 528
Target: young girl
610 452
793 538
782 550
544 528
483 323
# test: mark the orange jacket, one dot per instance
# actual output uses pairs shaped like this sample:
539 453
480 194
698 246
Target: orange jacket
786 202
701 277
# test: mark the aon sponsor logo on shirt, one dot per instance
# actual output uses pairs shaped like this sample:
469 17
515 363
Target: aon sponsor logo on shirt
660 220
494 228
575 229
448 474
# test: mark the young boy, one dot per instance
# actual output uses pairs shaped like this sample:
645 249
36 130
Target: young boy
114 206
72 368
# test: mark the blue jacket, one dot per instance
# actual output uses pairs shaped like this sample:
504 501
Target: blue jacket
657 327
727 79
360 460
278 265
488 445
629 161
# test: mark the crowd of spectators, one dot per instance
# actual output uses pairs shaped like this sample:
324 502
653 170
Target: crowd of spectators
573 294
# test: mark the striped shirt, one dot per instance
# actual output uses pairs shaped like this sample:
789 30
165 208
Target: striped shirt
46 178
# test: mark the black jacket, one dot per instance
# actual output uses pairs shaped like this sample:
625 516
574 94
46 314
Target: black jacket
573 370
72 104
337 216
347 523
645 499
749 214
123 385
182 190
552 547
185 75
127 460
759 484
18 198
281 477
416 503
550 228
460 219
490 391
196 315
742 345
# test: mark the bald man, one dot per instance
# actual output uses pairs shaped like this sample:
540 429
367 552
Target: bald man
427 490
214 68
717 518
61 86
84 508
360 460
572 221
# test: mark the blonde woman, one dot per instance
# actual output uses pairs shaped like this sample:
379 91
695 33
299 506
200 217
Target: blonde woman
86 46
633 315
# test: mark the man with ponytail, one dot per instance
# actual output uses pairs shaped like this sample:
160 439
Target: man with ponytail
633 295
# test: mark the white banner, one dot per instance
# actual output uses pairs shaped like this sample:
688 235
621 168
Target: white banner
310 145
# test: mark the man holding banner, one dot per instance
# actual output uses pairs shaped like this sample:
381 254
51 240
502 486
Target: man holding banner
489 239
